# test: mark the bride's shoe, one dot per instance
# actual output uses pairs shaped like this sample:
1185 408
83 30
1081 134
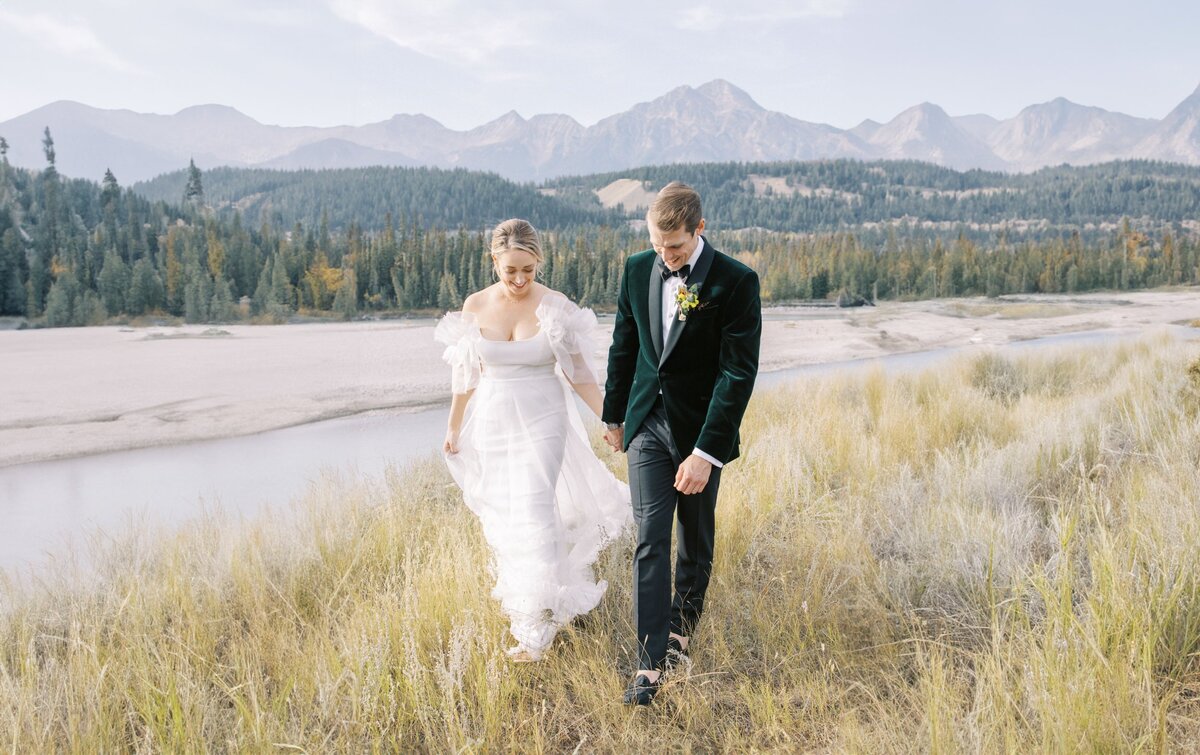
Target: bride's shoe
521 654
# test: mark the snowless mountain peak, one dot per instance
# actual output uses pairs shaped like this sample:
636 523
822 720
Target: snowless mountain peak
723 93
713 122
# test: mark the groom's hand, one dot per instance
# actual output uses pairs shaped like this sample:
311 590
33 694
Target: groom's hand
615 438
692 475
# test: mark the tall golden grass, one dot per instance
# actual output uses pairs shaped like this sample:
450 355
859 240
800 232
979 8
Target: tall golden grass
997 554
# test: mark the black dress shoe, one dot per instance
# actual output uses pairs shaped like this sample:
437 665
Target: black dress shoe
642 690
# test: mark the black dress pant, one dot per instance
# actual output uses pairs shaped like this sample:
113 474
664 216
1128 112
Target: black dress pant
653 462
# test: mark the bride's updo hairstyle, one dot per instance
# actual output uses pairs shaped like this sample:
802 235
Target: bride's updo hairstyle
516 234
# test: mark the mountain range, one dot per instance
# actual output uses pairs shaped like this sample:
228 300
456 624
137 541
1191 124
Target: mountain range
714 122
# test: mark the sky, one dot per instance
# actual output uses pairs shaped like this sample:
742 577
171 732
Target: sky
466 62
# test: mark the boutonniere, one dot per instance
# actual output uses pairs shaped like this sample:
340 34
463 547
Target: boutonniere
687 297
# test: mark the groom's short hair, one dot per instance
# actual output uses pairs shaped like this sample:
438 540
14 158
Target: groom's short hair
676 206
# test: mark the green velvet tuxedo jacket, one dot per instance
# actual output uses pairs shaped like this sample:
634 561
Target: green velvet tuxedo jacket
707 365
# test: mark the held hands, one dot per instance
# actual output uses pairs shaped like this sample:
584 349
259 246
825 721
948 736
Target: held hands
450 446
692 475
615 438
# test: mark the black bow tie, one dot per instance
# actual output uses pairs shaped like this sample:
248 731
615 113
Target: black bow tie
682 272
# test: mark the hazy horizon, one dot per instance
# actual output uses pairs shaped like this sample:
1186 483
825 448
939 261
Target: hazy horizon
465 63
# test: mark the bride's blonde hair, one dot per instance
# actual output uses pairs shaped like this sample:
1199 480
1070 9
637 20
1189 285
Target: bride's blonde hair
515 233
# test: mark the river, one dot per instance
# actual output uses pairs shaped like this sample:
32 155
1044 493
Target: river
51 508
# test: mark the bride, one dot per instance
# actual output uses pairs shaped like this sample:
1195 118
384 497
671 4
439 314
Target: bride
516 446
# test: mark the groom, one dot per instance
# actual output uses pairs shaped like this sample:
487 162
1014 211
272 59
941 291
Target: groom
680 371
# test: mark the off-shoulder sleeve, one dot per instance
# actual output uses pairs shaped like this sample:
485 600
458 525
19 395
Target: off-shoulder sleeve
460 334
572 335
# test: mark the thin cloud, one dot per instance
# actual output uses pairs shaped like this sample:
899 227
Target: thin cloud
701 18
71 37
277 17
708 18
822 8
447 30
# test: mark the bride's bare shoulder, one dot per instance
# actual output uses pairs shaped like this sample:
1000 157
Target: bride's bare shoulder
554 297
478 301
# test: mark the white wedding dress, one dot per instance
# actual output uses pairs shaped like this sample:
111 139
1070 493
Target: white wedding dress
546 503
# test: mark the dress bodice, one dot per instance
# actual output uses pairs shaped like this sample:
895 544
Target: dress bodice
511 360
566 337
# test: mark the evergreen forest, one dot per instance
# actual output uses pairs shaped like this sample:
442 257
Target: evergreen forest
234 244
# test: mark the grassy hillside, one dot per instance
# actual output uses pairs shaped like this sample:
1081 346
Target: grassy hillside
994 555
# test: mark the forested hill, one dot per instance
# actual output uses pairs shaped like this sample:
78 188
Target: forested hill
794 197
849 195
73 252
430 197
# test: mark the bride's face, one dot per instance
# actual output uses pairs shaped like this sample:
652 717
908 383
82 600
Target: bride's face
516 268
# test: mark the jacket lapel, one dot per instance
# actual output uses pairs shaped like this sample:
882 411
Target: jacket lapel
656 323
699 273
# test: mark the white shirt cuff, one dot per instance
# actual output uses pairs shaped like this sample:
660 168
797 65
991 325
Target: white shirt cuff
708 458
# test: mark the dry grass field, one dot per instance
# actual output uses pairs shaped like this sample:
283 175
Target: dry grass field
997 555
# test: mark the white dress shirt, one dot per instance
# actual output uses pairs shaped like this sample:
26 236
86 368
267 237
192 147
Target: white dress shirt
670 309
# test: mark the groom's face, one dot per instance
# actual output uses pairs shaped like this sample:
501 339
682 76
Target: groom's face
675 247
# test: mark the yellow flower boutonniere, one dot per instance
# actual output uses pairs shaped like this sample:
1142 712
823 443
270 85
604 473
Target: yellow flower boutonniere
687 297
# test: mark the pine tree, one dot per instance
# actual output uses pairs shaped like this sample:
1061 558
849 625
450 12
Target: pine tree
110 190
344 302
145 288
222 308
396 275
36 286
197 297
174 272
113 282
262 292
48 150
193 193
46 243
60 302
447 298
283 298
90 310
13 270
